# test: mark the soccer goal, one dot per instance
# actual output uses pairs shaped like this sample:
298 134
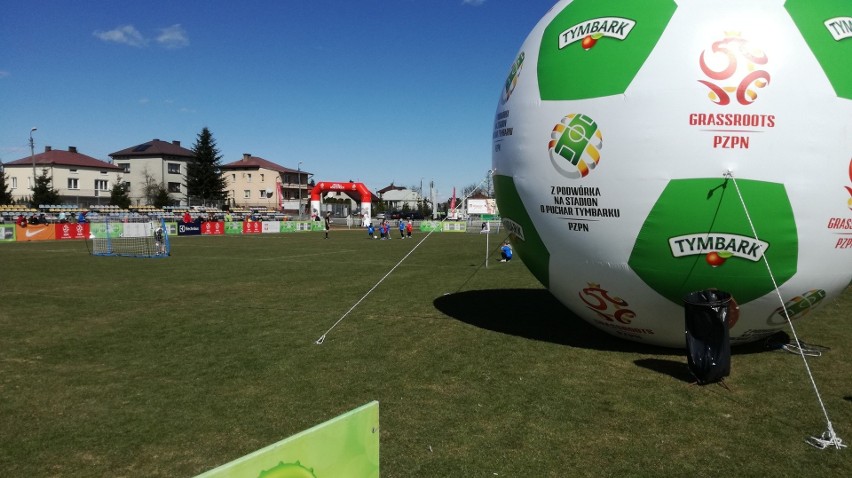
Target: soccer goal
130 237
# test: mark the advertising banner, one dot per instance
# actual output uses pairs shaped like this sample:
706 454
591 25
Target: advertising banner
137 229
296 226
213 228
344 447
233 227
99 229
455 226
71 231
171 228
271 226
189 228
35 232
481 206
7 232
252 227
430 226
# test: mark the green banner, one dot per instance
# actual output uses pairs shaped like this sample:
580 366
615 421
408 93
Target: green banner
455 226
429 226
99 229
7 232
296 226
344 447
233 227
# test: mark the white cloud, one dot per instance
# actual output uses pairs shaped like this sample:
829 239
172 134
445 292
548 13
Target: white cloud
127 35
4 74
475 3
173 37
144 101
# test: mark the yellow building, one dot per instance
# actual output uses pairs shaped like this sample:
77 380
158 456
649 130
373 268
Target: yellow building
79 179
253 182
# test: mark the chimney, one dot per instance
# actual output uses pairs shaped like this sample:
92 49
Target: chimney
47 149
176 143
72 149
246 156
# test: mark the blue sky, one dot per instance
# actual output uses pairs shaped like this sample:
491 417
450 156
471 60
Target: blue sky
369 90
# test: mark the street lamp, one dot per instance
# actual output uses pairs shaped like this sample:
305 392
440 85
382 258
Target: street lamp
32 155
300 189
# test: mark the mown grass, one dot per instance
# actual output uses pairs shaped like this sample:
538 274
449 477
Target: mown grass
131 367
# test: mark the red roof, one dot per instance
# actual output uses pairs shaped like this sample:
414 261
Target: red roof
57 157
390 188
155 148
253 162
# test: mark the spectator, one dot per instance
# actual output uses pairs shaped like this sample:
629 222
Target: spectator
62 217
187 218
21 221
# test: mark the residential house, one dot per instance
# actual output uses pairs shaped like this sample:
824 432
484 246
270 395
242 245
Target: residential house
253 182
157 162
396 198
79 179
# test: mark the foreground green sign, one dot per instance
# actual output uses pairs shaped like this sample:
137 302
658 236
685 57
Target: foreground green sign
344 447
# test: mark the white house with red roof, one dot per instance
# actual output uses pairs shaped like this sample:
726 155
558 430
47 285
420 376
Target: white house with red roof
396 198
257 182
162 162
81 180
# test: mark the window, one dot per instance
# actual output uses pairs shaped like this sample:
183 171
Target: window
248 177
103 173
72 171
174 168
261 178
247 194
124 166
101 185
14 183
73 183
174 187
233 177
127 185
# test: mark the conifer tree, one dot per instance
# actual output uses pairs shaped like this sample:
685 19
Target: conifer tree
43 193
204 181
118 196
5 193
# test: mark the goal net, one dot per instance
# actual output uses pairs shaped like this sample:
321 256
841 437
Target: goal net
130 237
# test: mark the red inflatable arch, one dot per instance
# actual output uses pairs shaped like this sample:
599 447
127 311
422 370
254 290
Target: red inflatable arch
350 188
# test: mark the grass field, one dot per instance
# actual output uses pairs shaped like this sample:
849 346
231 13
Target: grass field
171 367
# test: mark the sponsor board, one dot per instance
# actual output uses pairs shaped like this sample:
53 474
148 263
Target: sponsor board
212 228
344 447
72 231
189 228
35 232
7 232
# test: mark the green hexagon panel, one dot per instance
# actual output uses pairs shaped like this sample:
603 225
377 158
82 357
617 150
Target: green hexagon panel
526 241
593 48
826 26
697 236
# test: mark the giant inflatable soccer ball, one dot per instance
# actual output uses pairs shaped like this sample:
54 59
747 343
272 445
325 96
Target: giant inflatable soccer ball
647 149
